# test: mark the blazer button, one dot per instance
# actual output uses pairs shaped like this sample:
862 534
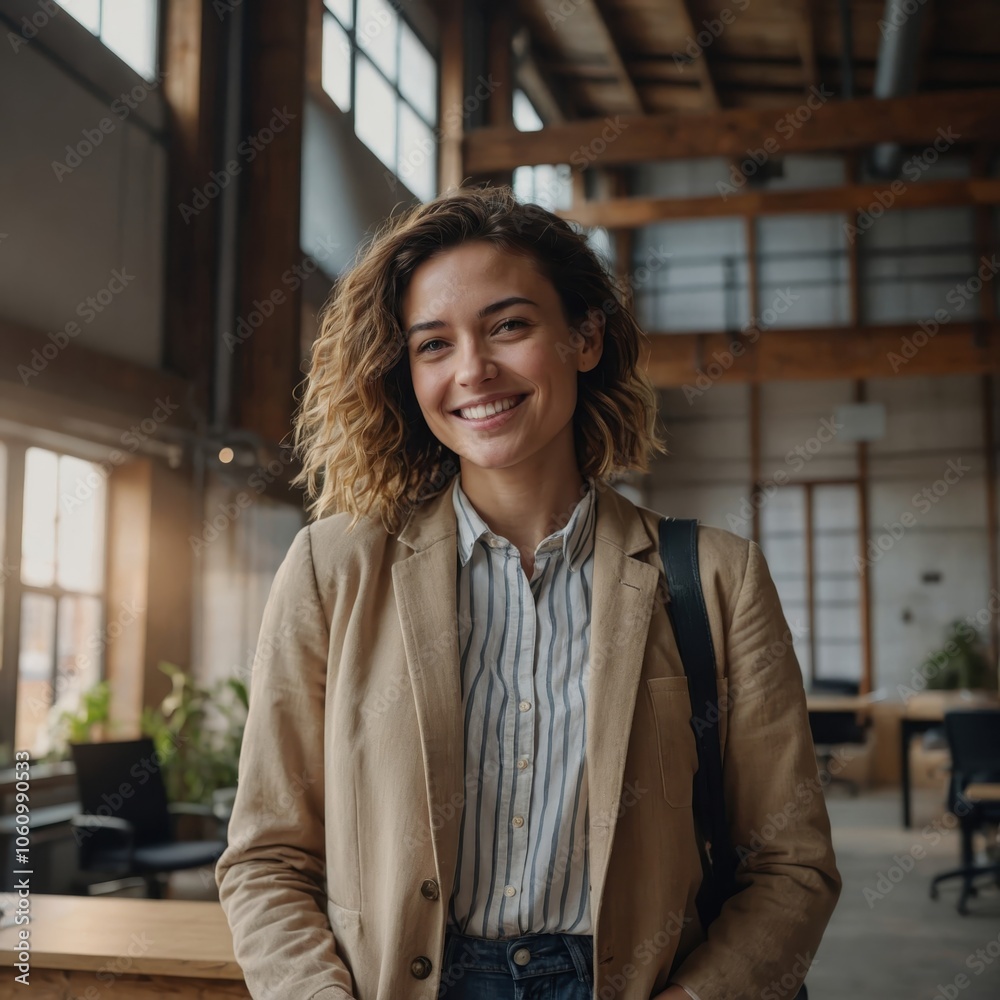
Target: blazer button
420 967
429 889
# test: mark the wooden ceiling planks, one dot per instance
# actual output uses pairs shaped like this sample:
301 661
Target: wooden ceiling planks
696 55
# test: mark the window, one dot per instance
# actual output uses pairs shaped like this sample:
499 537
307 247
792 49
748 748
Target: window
547 185
59 589
127 27
375 67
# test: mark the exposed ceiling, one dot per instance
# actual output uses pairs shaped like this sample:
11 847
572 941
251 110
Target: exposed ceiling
601 57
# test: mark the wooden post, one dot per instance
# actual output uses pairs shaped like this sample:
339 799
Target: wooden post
192 36
860 393
451 168
267 363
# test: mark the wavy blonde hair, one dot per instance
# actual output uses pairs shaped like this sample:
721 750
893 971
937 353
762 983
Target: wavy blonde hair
359 433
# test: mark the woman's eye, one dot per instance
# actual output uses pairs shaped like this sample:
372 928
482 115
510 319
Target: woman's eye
519 322
423 346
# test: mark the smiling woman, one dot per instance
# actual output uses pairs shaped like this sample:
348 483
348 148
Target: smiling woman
465 300
466 672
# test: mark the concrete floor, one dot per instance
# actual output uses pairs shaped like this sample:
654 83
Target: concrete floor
903 946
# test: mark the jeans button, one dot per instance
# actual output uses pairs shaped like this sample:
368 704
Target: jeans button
522 956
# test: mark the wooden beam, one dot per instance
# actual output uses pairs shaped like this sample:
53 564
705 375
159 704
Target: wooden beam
78 382
851 167
621 213
451 166
710 96
990 475
805 38
606 40
820 123
267 364
860 392
191 55
699 360
535 82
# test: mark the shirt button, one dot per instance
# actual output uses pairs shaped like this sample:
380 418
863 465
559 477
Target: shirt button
522 956
429 889
524 706
420 967
518 821
509 890
522 763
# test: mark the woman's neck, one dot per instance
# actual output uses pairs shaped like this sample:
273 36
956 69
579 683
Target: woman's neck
523 509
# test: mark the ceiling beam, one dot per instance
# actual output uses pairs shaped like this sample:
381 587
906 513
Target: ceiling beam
631 213
710 96
828 124
552 108
613 55
805 38
699 360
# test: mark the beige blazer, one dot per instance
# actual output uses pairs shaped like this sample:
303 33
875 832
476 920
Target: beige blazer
344 833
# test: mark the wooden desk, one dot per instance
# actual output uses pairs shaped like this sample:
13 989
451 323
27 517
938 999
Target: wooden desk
146 949
836 703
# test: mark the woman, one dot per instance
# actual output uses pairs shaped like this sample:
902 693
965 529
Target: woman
467 767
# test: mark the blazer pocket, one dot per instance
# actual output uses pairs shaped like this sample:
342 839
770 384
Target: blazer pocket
675 743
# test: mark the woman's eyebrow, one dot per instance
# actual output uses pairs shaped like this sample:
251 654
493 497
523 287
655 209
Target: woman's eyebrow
493 307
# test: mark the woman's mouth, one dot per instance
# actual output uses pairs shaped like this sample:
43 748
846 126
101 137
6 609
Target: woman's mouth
490 414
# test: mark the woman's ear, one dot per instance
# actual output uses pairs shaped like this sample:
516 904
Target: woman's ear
592 343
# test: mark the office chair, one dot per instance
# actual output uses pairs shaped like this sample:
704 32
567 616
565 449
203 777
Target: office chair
974 740
127 825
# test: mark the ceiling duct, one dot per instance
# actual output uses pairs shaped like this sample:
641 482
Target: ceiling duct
896 70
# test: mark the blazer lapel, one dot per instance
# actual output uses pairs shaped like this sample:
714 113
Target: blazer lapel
425 588
622 606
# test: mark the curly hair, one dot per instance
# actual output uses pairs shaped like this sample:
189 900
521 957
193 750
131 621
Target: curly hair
359 433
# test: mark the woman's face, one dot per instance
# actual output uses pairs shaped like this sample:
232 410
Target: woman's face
484 324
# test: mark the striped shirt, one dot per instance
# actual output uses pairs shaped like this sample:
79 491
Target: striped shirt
523 863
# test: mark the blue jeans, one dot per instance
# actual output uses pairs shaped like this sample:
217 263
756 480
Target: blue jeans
530 967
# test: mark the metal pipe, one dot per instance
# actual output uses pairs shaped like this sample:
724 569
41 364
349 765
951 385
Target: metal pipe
896 71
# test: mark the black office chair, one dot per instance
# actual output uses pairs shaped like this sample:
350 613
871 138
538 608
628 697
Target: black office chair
974 741
127 825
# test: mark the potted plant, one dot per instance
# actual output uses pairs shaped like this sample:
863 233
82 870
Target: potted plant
961 663
199 759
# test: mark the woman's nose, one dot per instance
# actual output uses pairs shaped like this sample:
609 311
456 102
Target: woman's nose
475 360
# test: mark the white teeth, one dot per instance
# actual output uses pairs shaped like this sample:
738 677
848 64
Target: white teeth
489 409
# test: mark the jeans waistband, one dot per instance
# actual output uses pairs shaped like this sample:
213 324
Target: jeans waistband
520 957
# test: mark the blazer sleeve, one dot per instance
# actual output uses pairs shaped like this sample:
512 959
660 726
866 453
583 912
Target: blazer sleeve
776 810
271 876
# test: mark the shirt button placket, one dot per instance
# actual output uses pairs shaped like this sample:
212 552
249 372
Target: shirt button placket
525 749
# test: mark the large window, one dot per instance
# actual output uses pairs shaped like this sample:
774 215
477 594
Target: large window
376 68
127 27
53 508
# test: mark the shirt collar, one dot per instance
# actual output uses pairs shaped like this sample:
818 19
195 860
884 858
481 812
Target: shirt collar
576 537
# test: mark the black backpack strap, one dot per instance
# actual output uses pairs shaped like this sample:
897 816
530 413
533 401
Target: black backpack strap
689 618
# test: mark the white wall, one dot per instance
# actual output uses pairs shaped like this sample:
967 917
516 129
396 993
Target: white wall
929 423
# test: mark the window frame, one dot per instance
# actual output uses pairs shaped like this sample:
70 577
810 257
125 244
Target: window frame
158 15
319 11
14 590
